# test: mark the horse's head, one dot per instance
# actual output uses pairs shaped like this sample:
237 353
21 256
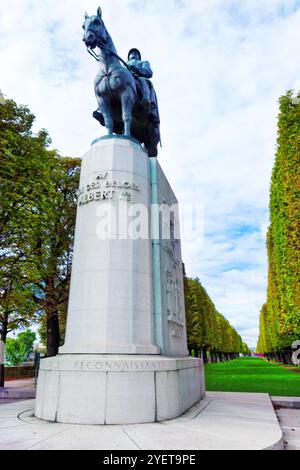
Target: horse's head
95 34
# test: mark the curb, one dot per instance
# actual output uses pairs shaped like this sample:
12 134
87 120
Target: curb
286 402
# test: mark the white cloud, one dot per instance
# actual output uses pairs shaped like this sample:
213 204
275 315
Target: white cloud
220 67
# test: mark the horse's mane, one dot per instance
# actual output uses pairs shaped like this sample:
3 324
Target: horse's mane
110 41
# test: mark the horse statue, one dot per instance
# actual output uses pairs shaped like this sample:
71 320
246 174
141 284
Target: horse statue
117 91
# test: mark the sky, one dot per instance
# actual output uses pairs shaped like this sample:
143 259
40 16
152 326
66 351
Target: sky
220 67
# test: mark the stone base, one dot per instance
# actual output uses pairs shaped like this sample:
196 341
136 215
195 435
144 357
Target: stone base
98 389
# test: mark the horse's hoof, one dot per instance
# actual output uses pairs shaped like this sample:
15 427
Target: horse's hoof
98 117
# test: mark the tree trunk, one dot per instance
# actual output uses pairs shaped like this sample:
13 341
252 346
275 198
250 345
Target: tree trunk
204 355
52 321
53 337
3 336
287 356
278 356
4 327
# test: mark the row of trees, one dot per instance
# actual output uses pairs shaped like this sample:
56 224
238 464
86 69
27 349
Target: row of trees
280 316
37 216
209 333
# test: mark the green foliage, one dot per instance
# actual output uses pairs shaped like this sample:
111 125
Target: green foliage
245 350
206 327
15 352
263 344
280 319
17 349
27 338
37 219
54 250
23 165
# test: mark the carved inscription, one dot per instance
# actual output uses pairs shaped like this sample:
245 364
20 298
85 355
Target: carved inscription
103 366
104 188
121 365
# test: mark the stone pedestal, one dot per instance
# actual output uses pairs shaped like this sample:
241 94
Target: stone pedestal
98 389
110 306
125 357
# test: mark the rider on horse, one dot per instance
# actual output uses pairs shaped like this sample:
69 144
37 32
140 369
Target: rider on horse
127 102
142 72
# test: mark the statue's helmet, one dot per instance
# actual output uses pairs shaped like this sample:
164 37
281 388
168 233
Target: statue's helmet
136 51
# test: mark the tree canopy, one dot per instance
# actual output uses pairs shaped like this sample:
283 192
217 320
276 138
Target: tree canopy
38 191
280 317
18 349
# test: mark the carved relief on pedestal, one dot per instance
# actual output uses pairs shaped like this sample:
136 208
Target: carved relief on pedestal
174 305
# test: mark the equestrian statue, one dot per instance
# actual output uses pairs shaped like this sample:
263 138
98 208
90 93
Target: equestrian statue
127 102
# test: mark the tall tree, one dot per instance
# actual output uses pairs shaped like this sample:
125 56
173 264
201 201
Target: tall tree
280 320
54 248
38 193
23 166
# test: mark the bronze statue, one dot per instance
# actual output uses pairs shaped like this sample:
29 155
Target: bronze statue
127 102
142 73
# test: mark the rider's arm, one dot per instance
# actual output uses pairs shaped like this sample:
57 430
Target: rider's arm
145 70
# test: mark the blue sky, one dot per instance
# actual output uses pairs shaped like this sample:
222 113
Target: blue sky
220 67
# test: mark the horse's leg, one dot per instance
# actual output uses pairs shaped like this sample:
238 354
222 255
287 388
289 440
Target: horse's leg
127 100
104 106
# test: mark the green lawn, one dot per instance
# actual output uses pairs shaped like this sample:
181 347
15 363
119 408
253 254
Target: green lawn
252 375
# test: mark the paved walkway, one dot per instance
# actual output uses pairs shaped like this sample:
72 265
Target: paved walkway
289 420
288 414
222 421
22 383
18 389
